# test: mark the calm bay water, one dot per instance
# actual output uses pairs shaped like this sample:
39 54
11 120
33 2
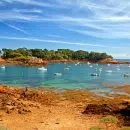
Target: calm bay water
66 76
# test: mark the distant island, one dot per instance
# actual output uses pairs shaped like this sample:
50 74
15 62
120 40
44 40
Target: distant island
43 56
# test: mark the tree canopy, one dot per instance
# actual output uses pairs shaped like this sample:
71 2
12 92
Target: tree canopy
60 54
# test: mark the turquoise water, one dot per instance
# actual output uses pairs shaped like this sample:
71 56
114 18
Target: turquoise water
74 77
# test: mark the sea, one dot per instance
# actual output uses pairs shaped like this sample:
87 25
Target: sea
62 76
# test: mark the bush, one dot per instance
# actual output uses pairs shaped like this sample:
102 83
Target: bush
109 121
21 58
96 128
125 128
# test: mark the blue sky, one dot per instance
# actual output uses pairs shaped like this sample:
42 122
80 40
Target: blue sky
91 25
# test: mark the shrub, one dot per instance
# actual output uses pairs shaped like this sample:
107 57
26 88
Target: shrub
21 58
125 128
96 128
109 121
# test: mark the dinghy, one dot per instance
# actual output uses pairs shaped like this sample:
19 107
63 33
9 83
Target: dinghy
109 71
95 74
2 67
58 74
42 69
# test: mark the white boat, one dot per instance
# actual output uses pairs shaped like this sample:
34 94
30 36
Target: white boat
66 68
2 67
90 66
108 65
95 74
88 63
118 69
126 75
100 69
42 69
77 63
129 66
58 74
109 71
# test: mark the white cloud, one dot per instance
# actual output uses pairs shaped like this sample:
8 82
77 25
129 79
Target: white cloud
30 2
53 41
102 19
54 36
27 10
15 28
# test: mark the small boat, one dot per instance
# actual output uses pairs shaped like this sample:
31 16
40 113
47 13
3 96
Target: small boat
90 66
42 69
100 69
77 63
126 75
58 74
66 68
129 66
95 74
108 65
2 67
88 63
118 69
109 71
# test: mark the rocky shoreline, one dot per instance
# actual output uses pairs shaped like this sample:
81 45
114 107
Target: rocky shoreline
33 61
40 104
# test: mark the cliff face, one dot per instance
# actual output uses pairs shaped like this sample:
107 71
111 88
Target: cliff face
35 60
2 60
108 60
112 61
29 61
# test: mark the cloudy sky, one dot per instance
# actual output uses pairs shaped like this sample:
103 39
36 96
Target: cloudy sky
92 25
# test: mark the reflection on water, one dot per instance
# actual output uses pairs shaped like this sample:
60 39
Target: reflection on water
65 76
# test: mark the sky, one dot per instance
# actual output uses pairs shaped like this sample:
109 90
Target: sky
90 25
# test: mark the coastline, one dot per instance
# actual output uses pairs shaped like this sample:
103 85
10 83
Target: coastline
48 109
46 62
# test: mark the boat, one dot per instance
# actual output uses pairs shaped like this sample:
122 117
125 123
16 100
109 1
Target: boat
58 74
42 69
100 69
88 63
109 71
66 68
108 65
77 63
95 74
90 66
2 67
118 69
126 75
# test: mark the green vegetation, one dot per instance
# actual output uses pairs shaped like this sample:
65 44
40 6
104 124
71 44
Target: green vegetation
3 128
125 128
96 128
109 121
60 54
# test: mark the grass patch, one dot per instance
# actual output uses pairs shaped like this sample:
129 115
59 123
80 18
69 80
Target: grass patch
96 128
